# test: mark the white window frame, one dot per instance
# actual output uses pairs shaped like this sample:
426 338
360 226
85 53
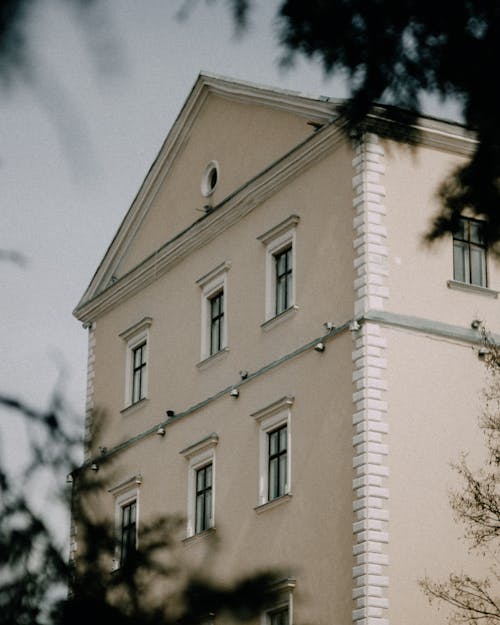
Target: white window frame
211 284
269 419
468 245
124 493
134 337
206 187
285 589
276 240
199 455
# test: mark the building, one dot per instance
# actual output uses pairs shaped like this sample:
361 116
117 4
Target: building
283 362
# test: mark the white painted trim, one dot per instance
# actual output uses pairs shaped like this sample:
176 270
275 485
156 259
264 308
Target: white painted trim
370 424
199 454
213 274
104 295
205 443
212 283
134 481
277 239
270 418
134 336
205 188
317 109
436 133
124 493
211 360
279 318
277 501
472 288
282 228
285 589
135 328
89 398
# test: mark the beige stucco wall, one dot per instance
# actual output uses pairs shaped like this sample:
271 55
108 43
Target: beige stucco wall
243 138
434 401
433 383
324 274
308 535
418 273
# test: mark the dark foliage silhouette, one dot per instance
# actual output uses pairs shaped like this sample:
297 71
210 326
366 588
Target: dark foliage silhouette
35 573
394 51
391 52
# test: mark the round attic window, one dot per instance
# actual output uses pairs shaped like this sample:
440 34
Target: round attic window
210 178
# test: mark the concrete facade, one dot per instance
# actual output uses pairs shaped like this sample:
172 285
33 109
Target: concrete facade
371 367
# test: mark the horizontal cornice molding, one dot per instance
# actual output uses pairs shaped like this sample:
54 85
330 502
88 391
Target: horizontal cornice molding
223 216
432 132
435 133
320 108
315 109
430 327
426 326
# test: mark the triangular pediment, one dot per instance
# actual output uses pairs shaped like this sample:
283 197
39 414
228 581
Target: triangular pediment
221 122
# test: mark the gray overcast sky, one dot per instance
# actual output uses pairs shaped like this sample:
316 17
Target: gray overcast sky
76 143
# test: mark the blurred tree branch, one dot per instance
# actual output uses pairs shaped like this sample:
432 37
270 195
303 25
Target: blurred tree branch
34 565
392 52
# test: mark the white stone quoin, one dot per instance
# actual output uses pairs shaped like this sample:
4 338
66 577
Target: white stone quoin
370 496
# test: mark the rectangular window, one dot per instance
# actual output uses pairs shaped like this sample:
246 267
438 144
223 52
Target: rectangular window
128 531
136 362
201 484
277 462
216 322
469 252
138 372
283 280
278 617
214 302
281 274
203 505
275 446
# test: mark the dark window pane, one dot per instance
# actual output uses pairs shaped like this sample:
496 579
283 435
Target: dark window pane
477 265
216 322
461 231
283 278
273 478
273 443
476 232
128 531
460 261
280 617
277 462
283 436
138 372
203 499
282 475
469 253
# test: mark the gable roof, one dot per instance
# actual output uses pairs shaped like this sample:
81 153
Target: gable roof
316 109
105 290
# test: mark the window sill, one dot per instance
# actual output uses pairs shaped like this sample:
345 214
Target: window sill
273 503
205 535
277 319
472 288
207 362
134 407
